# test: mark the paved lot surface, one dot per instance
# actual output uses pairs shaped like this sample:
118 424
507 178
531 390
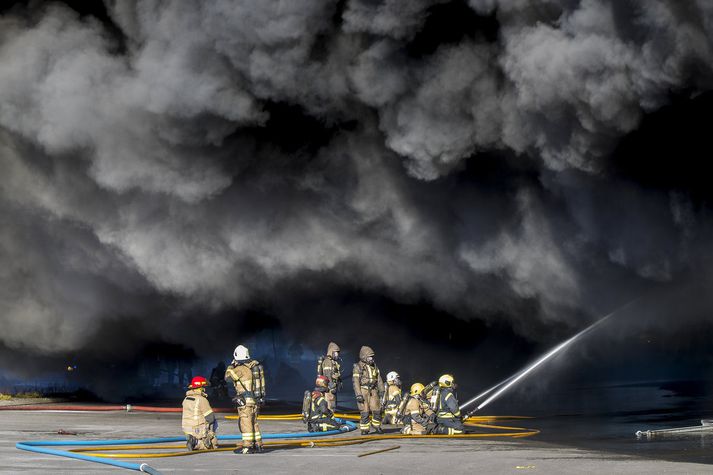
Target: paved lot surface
414 456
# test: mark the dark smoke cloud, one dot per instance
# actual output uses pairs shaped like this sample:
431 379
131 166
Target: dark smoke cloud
178 161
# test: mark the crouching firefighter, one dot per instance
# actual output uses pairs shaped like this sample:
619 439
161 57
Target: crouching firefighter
392 398
198 421
416 413
248 377
368 389
330 366
315 408
448 417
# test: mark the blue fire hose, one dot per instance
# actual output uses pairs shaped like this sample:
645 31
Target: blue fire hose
40 446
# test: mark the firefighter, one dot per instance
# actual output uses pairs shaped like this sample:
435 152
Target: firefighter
368 389
448 415
320 417
418 417
248 377
330 366
198 421
392 397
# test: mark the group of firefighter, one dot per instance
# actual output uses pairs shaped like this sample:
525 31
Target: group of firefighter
429 409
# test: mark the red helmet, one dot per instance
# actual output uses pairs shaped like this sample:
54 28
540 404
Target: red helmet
322 381
198 382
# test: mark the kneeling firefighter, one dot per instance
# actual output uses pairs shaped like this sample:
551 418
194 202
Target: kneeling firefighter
368 389
315 408
198 421
392 398
448 417
417 415
248 377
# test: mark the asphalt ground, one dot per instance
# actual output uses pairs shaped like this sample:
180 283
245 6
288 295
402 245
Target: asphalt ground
519 456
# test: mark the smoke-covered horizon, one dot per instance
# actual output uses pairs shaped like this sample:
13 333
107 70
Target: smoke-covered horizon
193 172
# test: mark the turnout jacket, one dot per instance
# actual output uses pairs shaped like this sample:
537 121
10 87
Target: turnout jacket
417 410
248 379
448 407
368 377
198 416
320 408
393 396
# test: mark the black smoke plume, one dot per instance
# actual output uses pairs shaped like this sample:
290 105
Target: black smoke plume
416 175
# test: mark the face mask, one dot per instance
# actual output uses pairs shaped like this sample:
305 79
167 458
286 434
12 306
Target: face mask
370 360
335 355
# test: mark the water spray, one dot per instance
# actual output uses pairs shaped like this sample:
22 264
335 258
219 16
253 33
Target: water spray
486 392
514 379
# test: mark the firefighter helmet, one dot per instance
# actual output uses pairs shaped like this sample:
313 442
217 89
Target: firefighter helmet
321 381
392 376
446 381
416 389
198 382
365 352
241 353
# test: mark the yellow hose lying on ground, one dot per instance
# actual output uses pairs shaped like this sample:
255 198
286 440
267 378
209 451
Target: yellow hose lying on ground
354 416
479 421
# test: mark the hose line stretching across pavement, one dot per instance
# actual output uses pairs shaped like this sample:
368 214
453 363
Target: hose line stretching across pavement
109 451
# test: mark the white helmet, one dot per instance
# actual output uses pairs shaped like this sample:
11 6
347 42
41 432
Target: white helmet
392 377
241 353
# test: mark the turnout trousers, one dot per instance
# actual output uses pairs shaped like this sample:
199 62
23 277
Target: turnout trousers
370 407
249 427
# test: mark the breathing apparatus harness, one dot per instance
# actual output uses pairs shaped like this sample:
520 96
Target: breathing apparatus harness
257 384
372 373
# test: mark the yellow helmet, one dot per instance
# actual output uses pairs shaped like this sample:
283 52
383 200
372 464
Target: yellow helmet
446 381
416 389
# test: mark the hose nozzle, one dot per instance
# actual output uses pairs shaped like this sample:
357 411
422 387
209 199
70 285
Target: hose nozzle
469 414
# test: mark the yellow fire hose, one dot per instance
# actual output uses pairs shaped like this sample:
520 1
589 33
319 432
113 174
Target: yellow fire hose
479 421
